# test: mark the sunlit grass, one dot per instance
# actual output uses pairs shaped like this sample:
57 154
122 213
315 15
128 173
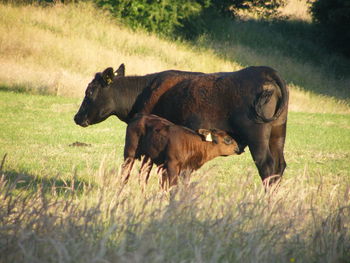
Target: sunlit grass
69 48
297 10
291 10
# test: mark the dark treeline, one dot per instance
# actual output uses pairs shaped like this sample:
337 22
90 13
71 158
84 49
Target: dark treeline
333 19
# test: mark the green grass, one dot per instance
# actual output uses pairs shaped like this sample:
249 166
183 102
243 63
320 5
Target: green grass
37 131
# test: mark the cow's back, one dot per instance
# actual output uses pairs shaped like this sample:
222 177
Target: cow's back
215 100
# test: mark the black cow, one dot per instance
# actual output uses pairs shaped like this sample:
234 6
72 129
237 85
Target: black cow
250 104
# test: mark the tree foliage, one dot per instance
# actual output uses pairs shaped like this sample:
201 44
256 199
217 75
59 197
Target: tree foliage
181 18
334 18
163 16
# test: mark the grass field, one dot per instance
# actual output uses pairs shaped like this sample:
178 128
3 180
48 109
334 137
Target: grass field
68 200
60 203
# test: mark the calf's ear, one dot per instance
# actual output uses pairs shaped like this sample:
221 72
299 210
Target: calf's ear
108 75
121 70
206 135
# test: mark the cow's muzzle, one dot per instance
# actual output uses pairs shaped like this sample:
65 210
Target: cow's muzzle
81 121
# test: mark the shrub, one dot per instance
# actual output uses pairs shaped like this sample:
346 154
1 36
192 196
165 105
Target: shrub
181 18
162 16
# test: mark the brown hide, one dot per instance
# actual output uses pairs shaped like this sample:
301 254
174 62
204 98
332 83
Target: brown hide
174 147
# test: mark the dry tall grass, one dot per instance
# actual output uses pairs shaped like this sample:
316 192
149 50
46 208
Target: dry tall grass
72 42
305 220
297 9
58 49
292 9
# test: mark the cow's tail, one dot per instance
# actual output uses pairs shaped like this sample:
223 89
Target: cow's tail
265 97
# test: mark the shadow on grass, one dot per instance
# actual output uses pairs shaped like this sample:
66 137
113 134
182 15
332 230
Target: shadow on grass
43 90
287 46
31 183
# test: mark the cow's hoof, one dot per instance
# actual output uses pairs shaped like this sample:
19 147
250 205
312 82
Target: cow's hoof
272 181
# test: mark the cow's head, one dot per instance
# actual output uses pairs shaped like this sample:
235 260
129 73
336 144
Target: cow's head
225 144
98 103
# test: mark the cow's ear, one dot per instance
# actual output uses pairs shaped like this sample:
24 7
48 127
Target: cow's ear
108 75
206 135
121 70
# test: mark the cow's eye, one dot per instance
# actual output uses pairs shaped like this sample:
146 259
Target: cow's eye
89 93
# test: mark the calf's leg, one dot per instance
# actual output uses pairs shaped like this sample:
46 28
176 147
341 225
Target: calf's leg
145 170
126 169
132 140
172 170
162 176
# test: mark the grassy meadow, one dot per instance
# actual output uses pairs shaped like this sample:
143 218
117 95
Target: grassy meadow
60 203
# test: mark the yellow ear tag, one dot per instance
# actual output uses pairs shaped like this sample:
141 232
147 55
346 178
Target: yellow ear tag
208 138
109 81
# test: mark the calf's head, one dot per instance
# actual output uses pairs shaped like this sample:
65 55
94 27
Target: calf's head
98 103
223 143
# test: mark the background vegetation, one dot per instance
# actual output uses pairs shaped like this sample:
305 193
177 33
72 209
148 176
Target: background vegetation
180 18
334 19
65 204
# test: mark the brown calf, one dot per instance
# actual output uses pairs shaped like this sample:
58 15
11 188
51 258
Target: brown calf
173 148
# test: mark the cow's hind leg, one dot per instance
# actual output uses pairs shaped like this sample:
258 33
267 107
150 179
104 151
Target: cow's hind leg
260 150
277 140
